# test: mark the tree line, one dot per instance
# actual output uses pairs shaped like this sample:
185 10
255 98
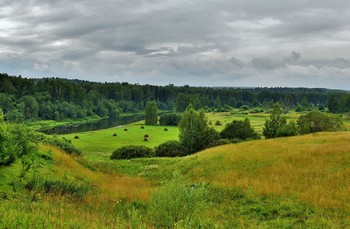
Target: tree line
59 99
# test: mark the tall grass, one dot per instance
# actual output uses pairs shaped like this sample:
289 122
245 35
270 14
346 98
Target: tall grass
314 168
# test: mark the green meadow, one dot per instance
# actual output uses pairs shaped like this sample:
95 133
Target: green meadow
294 182
101 143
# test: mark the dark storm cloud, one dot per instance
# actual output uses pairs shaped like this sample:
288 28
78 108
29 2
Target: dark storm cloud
196 42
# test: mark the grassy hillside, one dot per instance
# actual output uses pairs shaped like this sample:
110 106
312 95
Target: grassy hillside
295 182
314 168
65 194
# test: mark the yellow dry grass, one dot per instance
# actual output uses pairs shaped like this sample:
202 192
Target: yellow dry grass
110 185
313 168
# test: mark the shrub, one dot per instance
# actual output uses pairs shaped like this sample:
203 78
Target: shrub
217 123
132 151
171 119
287 130
58 187
244 107
222 141
76 137
316 121
169 149
239 130
210 122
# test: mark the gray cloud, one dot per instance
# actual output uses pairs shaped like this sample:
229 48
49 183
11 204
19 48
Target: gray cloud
238 43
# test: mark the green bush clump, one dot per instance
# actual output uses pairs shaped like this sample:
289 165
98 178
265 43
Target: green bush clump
218 123
316 121
239 130
132 151
58 187
171 119
170 149
61 143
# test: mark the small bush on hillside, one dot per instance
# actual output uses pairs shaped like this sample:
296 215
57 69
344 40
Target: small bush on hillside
239 130
169 149
132 151
244 107
218 123
58 187
316 121
287 130
222 141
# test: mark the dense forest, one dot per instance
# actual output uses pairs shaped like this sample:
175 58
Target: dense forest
58 99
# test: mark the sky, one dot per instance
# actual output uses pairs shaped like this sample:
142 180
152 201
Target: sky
233 43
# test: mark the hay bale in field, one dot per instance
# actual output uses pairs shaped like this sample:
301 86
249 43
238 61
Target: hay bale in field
142 127
125 129
76 137
114 135
165 129
145 136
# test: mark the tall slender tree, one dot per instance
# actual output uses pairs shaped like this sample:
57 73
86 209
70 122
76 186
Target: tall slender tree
151 113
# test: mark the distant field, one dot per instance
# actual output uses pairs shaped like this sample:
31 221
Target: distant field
101 143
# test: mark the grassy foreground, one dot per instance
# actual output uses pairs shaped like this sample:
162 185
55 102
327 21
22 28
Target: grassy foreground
296 182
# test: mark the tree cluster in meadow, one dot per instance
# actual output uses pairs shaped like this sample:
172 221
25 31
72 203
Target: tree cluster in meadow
59 99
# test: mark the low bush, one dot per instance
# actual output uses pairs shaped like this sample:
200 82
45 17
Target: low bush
218 123
169 149
132 151
76 137
172 119
316 121
239 130
58 187
222 141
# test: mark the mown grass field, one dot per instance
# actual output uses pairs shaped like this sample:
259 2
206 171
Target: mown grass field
98 145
